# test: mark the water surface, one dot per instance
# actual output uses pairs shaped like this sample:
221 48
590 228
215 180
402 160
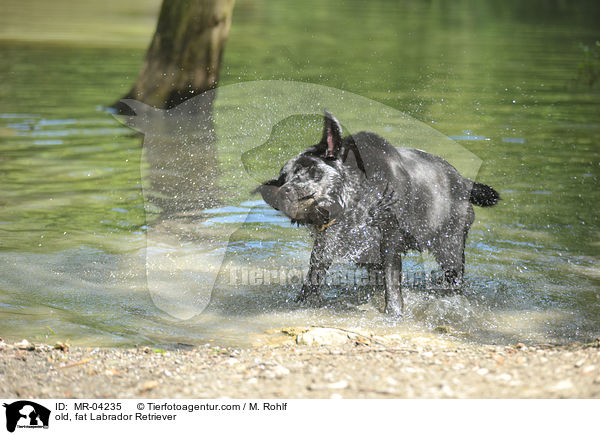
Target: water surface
500 80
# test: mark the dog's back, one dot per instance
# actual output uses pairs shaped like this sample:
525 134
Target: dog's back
431 198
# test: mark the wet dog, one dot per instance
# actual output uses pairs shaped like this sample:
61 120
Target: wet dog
367 202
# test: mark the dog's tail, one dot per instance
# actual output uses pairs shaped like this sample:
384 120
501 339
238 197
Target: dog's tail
483 195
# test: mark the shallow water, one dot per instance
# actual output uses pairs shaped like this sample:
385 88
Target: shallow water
78 230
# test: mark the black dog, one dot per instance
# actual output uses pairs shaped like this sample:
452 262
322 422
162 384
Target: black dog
367 202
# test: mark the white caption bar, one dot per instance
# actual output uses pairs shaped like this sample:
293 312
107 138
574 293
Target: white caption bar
153 416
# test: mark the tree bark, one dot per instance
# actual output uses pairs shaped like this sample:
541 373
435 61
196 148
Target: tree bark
185 54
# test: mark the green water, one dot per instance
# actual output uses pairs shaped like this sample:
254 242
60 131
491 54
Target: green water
499 79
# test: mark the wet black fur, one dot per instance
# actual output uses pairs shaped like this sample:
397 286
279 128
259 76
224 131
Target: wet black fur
366 202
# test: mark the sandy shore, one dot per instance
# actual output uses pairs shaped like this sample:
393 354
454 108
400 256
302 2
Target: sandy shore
282 365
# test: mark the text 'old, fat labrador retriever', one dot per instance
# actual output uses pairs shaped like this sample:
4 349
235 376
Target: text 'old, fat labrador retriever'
367 202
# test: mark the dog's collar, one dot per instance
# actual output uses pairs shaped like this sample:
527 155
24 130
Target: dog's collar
330 223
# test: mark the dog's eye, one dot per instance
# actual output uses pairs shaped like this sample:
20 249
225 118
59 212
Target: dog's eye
312 172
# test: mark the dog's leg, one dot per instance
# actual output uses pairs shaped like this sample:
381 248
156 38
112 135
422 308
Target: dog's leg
451 257
391 256
375 284
319 264
449 250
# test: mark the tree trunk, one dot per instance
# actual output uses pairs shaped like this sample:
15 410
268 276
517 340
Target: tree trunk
185 54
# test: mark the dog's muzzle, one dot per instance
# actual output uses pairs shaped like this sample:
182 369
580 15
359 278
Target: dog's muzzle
305 209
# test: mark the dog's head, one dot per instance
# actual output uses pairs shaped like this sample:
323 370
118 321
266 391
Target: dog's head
310 186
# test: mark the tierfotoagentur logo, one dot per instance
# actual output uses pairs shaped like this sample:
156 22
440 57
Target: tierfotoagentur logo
202 160
348 277
25 414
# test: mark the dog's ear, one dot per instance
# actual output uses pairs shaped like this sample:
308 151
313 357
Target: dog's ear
332 136
352 156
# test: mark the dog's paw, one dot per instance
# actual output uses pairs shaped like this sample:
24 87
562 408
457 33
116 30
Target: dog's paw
395 310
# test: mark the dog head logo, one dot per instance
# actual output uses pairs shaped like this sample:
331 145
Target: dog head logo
26 414
202 159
